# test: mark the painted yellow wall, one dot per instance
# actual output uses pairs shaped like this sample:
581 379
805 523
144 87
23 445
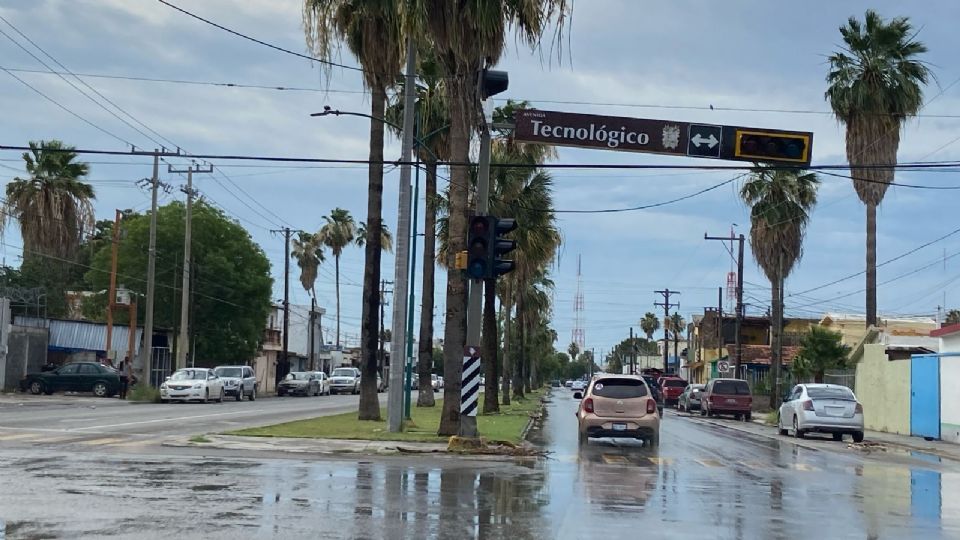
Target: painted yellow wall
883 387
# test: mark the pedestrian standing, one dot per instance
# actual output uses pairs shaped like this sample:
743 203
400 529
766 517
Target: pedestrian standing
125 373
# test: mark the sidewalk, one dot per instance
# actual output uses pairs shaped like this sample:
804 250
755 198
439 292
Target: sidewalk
940 448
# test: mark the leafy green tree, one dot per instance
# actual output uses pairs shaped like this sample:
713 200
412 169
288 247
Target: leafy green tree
953 316
780 203
875 86
339 231
820 350
373 32
232 284
573 350
614 364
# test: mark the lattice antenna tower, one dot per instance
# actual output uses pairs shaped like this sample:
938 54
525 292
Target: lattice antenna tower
731 275
579 336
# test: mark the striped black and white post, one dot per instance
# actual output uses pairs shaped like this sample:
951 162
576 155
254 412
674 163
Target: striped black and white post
470 381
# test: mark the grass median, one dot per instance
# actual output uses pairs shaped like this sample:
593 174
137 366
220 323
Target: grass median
507 425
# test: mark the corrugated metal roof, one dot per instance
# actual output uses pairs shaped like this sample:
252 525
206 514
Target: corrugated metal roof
82 335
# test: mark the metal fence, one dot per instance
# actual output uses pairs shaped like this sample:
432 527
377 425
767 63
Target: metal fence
160 366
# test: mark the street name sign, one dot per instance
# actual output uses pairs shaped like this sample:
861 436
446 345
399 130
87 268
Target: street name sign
734 143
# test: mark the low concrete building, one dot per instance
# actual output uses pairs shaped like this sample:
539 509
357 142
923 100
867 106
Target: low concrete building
853 326
949 341
883 377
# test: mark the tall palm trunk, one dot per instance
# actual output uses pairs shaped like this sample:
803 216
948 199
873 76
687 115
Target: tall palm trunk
336 266
455 329
871 265
488 349
425 396
533 374
776 330
507 341
521 351
370 326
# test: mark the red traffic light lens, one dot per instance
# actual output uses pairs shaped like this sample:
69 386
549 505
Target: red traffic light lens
479 226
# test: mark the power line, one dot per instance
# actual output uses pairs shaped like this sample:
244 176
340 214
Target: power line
260 42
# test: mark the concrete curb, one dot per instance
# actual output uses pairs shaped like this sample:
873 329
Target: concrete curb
329 447
531 421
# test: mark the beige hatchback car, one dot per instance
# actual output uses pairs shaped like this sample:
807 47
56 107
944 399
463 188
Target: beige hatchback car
618 406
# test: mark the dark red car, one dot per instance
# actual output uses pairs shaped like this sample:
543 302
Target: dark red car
727 396
672 387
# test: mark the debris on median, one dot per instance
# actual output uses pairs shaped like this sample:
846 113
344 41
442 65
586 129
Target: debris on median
468 445
868 447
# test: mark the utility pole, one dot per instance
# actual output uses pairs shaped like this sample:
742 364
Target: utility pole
633 354
183 342
666 293
146 354
400 276
283 366
311 334
381 358
112 298
740 310
719 323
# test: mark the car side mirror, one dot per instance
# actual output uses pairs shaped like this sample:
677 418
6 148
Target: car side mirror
167 378
577 395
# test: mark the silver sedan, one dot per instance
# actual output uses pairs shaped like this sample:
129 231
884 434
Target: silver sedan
821 408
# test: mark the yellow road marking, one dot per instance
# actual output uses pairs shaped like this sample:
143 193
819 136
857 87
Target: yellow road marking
660 460
709 462
802 467
611 459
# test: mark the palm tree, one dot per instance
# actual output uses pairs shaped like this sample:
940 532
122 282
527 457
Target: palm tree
649 324
53 205
464 36
308 252
433 121
780 201
386 239
875 85
373 32
338 232
677 327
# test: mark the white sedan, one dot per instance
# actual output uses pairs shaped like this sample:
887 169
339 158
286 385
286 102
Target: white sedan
192 384
821 408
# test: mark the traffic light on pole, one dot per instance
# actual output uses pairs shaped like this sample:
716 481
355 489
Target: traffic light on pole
502 246
480 238
772 146
493 82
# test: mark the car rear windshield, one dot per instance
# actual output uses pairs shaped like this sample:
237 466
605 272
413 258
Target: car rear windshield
298 376
189 375
343 373
675 383
731 388
619 388
830 393
229 372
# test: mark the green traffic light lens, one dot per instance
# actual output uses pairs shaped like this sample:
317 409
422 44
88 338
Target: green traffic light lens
476 269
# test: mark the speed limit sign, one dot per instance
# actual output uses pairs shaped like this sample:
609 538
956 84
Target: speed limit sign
723 366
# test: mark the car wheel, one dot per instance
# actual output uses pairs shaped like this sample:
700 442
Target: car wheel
748 417
797 432
858 437
838 437
738 417
100 389
163 400
654 440
206 396
220 399
253 394
36 388
780 429
240 394
703 412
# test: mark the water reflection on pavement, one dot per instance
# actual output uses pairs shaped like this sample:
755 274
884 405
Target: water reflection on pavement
703 479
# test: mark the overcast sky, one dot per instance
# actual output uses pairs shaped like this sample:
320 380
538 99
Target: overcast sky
652 59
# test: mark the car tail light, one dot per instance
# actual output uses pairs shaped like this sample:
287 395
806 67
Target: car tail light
808 405
588 405
651 406
858 409
749 400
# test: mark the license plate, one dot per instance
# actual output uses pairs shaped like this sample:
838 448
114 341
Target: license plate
619 427
731 401
835 411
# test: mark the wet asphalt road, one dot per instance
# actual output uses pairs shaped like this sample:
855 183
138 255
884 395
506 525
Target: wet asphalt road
703 481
